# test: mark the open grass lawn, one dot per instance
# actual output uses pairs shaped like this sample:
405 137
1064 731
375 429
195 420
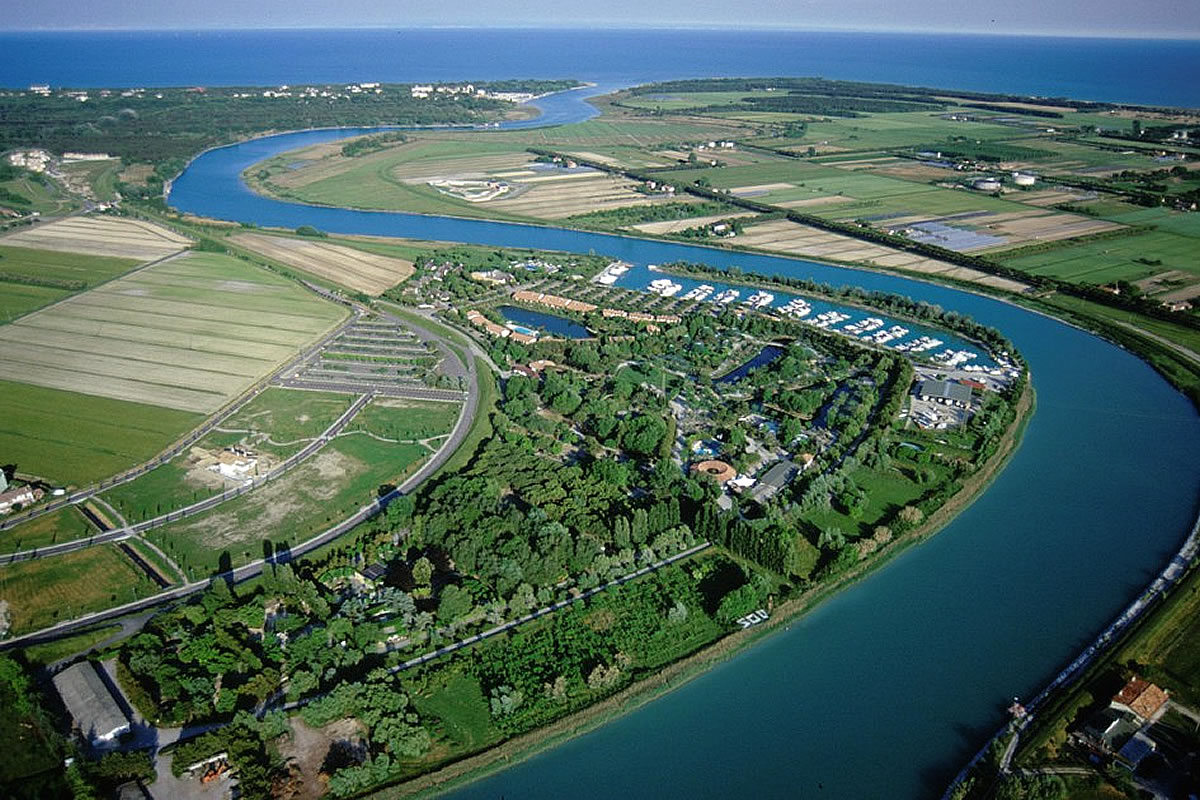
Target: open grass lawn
158 491
886 492
1108 260
65 525
74 438
457 700
289 414
394 418
290 417
45 591
326 488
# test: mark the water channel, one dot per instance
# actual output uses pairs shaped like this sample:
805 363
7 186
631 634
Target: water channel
885 688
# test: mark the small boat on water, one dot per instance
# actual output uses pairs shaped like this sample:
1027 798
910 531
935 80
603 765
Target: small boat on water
796 307
759 299
665 286
727 296
699 293
612 273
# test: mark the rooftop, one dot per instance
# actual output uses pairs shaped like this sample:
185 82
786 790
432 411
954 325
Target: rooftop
944 390
1141 697
90 703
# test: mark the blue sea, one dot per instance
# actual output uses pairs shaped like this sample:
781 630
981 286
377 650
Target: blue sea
1143 71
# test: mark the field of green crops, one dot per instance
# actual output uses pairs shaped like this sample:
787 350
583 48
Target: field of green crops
74 438
188 334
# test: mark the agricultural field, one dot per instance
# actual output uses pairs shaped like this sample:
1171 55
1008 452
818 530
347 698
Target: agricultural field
65 525
17 299
104 436
1130 258
188 334
477 178
49 590
887 131
677 225
361 271
31 279
274 425
792 238
102 236
329 486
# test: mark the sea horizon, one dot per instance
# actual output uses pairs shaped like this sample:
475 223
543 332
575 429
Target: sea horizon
1144 71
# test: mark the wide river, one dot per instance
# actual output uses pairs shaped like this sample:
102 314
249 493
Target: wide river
886 688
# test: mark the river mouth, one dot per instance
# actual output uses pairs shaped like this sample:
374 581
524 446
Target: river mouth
886 687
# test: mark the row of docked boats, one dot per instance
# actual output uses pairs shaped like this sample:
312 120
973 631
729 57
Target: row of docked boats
871 329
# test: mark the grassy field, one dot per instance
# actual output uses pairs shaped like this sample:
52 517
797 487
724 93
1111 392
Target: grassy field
45 198
188 334
289 414
1109 260
74 438
289 417
17 298
340 479
887 131
49 590
457 701
65 525
58 265
402 419
65 648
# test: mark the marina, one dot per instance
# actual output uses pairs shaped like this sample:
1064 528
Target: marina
965 597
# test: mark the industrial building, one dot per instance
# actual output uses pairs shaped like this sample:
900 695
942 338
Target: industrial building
94 710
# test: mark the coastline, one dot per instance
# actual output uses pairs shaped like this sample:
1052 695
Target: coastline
582 726
520 748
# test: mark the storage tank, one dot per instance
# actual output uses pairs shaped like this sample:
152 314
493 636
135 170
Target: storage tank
987 184
1024 179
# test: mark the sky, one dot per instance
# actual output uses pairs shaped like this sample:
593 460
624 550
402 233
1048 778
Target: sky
1118 18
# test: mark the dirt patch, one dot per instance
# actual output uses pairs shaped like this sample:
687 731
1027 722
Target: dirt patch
305 751
268 509
357 269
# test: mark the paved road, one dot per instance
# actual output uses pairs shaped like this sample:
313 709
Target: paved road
118 534
245 572
177 448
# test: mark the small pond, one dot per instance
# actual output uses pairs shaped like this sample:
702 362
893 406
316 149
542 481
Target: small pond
550 323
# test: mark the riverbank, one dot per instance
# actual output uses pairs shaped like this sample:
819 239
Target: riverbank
679 673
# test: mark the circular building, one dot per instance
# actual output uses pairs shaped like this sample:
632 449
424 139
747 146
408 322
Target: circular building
717 470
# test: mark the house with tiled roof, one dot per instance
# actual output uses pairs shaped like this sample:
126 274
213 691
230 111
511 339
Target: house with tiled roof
1140 698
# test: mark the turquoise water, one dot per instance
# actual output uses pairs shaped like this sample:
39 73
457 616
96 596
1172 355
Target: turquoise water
887 687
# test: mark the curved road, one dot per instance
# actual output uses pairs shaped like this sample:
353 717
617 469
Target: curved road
462 426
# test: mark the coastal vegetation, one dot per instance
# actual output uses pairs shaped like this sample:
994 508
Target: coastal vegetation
577 496
577 480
